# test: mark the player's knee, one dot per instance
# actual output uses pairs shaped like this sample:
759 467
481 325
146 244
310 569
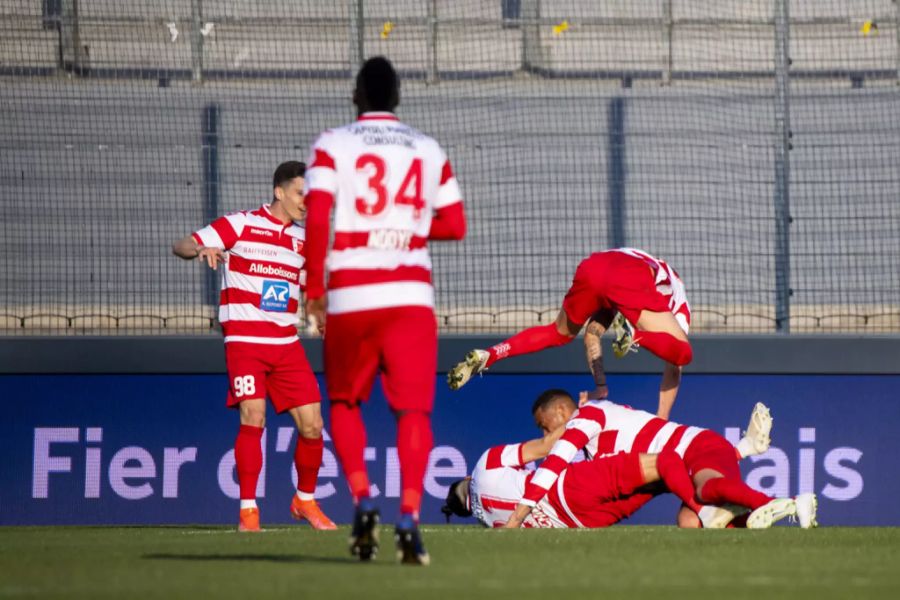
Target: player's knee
684 355
312 428
253 416
253 419
688 519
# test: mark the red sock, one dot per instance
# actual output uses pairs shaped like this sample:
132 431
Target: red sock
721 490
349 435
667 347
248 457
675 475
530 340
307 460
414 442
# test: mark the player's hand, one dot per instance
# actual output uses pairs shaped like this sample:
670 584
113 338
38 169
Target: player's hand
212 256
583 398
518 517
315 314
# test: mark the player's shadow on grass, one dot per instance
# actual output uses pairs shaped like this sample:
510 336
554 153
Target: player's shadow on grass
276 558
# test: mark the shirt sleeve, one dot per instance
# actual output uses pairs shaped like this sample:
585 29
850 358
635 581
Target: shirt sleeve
223 233
320 187
585 424
509 455
448 189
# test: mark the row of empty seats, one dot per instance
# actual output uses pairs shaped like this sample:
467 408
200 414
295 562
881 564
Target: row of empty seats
200 319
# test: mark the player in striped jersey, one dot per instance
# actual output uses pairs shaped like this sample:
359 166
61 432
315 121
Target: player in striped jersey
653 313
589 494
391 190
602 428
262 256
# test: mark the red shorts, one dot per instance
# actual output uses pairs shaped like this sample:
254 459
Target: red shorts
601 492
279 371
709 450
401 342
613 280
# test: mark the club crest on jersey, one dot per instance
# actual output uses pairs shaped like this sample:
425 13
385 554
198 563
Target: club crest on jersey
275 296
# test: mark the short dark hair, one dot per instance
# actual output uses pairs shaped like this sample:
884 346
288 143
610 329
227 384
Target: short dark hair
457 502
549 397
287 171
377 85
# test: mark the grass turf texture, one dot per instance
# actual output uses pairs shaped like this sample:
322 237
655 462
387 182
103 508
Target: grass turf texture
468 562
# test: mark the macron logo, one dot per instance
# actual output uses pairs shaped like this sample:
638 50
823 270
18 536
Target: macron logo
263 232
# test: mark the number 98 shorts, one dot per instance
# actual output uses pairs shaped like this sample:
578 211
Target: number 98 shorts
280 372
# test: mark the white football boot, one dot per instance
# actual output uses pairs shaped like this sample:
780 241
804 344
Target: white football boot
718 517
624 332
767 515
473 364
757 438
807 505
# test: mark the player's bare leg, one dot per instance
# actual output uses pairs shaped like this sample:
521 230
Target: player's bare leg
661 334
248 458
526 341
307 461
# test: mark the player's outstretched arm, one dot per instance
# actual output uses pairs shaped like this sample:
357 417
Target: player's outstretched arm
188 249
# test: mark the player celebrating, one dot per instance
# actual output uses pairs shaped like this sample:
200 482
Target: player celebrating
591 493
391 189
602 428
258 306
648 295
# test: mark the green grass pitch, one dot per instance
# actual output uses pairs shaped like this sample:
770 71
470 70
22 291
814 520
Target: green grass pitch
468 562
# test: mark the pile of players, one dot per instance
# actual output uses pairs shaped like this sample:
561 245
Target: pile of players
373 194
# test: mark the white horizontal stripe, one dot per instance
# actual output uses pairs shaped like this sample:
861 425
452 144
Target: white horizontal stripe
662 436
589 427
448 194
210 238
380 295
249 339
565 449
269 253
253 283
249 312
509 456
686 440
237 221
320 179
544 478
562 499
368 258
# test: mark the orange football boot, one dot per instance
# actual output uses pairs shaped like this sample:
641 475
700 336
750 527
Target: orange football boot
309 510
249 520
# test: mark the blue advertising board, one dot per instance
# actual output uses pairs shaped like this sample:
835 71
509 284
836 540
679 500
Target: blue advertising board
154 449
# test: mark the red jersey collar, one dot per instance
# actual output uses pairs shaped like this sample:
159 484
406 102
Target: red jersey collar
378 116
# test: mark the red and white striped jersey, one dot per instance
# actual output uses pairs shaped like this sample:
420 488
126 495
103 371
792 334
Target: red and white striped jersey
668 284
386 179
261 278
602 428
497 486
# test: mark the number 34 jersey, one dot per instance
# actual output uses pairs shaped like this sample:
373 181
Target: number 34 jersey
387 179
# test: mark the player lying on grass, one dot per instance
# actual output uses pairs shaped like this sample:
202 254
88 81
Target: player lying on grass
261 254
591 494
602 428
653 313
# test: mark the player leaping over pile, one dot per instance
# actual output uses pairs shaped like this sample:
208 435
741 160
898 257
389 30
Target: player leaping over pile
653 313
